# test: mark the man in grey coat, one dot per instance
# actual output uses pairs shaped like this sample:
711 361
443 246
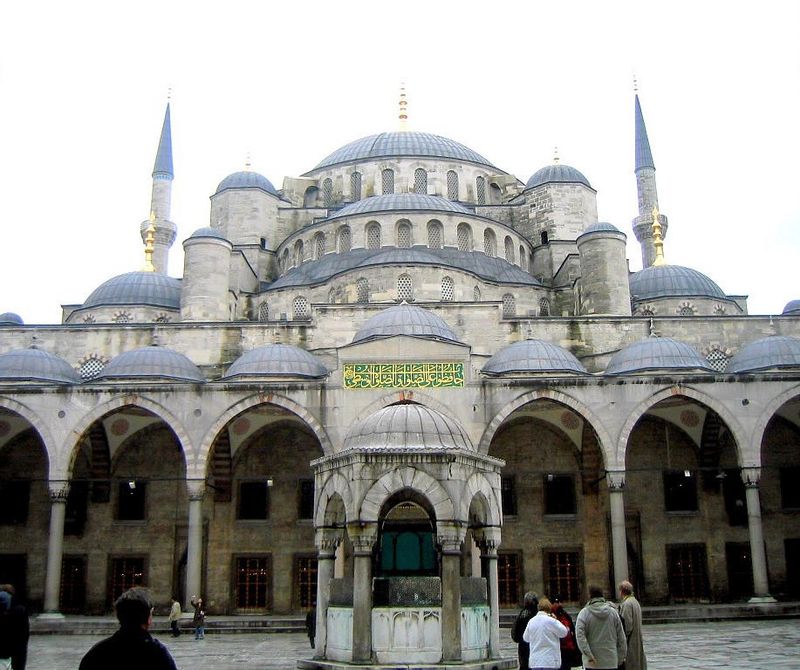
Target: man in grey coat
631 613
599 633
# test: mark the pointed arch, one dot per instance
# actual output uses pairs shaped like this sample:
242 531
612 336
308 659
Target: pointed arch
35 420
760 426
479 486
406 477
335 485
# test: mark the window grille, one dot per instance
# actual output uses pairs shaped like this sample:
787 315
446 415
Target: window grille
509 305
489 243
327 192
306 572
476 294
447 289
122 317
563 574
387 181
509 250
125 574
688 572
362 290
544 307
686 310
89 318
508 579
162 318
73 585
300 305
717 360
647 311
404 236
719 310
253 577
404 288
344 239
464 234
452 185
420 181
355 186
91 367
434 235
374 236
480 190
319 245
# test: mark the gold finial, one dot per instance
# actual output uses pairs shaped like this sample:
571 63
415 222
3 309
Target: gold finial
169 94
556 159
149 244
635 84
658 240
247 162
403 116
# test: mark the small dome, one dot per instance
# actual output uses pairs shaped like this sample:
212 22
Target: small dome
282 360
557 174
405 319
137 288
208 231
792 307
11 319
151 363
601 227
533 356
769 353
35 365
407 427
246 179
662 281
402 143
656 354
394 202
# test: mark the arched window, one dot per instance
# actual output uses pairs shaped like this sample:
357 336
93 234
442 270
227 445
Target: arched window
387 181
489 243
686 309
332 297
355 186
509 305
362 290
327 192
496 193
263 312
300 306
464 233
91 367
646 311
404 235
719 310
435 235
319 245
374 235
298 253
285 260
310 197
544 307
480 190
509 250
405 288
476 294
343 244
543 237
718 359
452 185
447 289
420 181
122 317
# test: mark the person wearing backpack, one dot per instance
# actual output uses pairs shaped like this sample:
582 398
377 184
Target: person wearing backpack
528 611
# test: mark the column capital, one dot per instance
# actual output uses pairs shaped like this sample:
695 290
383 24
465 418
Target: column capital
59 490
751 477
363 536
196 488
450 536
488 539
616 480
327 540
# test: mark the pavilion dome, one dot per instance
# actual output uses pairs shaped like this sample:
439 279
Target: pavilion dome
35 365
137 288
276 360
407 427
776 352
151 363
246 179
532 357
405 319
657 354
558 173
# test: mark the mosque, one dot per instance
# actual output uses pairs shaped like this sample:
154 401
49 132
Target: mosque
405 387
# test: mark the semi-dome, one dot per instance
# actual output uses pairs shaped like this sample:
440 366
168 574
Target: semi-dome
402 143
281 360
557 173
35 365
11 319
151 363
246 179
208 231
399 202
657 354
404 319
770 353
407 427
137 288
662 281
792 307
533 356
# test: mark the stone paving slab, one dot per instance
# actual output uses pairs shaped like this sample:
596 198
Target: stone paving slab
733 645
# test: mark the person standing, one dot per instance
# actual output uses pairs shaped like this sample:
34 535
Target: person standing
527 612
311 625
631 612
570 656
199 618
132 646
174 617
543 635
599 633
17 628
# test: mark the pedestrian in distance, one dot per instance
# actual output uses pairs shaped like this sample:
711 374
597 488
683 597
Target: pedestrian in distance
199 618
631 613
174 617
311 625
528 611
131 647
15 628
599 633
543 635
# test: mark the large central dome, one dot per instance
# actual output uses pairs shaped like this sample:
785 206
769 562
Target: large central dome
403 143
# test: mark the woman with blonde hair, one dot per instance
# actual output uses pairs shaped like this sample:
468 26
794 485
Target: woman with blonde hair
543 635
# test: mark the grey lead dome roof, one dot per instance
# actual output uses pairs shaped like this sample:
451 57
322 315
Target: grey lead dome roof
11 318
405 319
533 356
282 360
656 354
137 288
246 179
36 365
659 281
401 427
151 363
403 143
208 231
558 174
601 227
777 351
400 202
792 307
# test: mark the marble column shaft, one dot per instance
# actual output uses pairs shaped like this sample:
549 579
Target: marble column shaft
194 550
619 541
59 491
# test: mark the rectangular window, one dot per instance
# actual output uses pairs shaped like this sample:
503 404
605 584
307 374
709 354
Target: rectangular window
508 578
559 494
253 582
735 500
75 514
73 585
790 488
563 574
740 570
131 498
126 572
687 571
253 500
14 501
508 494
305 570
305 503
680 491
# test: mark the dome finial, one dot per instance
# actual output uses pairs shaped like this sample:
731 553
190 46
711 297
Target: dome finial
403 115
247 162
556 158
149 243
658 240
169 94
635 84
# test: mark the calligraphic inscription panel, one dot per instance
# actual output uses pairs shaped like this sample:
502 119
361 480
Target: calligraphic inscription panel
403 375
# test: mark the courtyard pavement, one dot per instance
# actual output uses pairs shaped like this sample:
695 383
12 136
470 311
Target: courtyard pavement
734 645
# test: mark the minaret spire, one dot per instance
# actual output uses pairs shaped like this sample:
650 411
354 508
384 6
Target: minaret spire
163 165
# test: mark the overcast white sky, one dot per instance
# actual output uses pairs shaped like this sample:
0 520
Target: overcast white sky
83 86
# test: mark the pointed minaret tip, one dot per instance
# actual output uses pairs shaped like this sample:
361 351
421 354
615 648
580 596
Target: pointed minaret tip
163 166
403 115
644 157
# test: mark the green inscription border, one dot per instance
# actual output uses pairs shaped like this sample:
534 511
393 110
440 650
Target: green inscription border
403 375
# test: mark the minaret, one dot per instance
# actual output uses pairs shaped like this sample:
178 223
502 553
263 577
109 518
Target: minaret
645 171
165 230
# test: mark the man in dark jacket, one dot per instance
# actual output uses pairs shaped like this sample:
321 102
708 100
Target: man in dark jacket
599 633
528 611
15 628
131 646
